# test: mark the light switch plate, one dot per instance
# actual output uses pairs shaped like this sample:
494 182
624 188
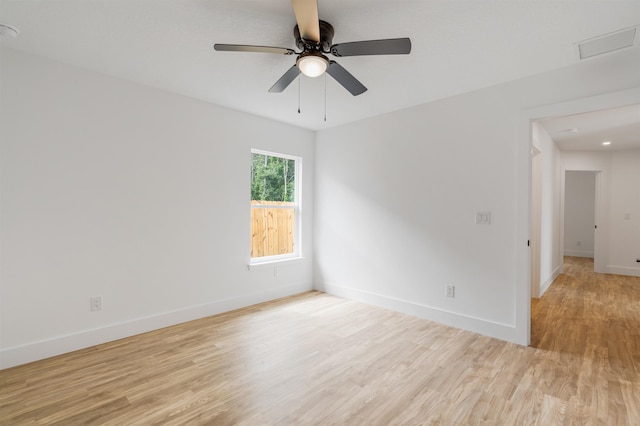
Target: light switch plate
483 218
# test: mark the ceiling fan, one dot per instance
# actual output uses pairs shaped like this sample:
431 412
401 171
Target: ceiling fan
314 37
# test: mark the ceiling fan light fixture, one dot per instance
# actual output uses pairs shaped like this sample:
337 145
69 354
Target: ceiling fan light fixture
312 64
314 38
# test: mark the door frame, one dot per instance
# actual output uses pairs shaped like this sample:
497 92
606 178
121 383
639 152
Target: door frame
536 219
523 191
598 257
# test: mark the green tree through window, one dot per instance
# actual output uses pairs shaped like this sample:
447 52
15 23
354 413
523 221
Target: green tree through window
275 208
272 178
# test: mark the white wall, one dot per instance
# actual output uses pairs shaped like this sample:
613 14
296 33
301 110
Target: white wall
624 216
550 247
116 189
579 213
141 196
396 197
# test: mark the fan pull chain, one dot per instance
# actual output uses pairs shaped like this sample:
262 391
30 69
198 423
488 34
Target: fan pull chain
299 79
325 96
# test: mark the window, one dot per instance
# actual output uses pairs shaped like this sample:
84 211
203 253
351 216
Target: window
275 206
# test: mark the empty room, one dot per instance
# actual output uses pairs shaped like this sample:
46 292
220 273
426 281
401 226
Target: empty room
319 212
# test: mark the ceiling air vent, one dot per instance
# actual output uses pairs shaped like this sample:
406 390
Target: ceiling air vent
606 43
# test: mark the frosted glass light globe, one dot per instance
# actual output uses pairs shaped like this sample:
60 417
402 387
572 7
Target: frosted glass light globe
312 65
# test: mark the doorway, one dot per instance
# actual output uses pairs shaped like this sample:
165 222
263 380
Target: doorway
580 223
527 121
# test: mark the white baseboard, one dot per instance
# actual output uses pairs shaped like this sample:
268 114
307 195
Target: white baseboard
477 325
544 286
577 253
622 270
23 354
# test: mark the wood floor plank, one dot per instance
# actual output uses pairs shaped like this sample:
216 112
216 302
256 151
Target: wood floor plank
318 359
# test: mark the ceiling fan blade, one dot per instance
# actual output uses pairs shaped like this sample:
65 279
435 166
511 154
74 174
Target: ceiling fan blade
285 80
390 46
249 48
345 78
306 12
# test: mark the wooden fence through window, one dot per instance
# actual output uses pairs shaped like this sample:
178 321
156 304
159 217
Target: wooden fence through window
272 228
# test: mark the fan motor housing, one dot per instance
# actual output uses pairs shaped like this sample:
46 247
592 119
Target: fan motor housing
326 38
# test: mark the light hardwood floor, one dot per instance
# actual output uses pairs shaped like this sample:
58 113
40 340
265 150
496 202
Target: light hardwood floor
319 359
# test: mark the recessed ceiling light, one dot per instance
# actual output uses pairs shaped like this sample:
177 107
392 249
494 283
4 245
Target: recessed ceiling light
8 30
605 143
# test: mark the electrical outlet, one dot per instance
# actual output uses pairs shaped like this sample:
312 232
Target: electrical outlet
96 303
450 291
579 243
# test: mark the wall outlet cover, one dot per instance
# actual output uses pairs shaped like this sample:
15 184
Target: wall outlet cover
450 291
96 303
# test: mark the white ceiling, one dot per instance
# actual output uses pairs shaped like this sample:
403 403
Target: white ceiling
458 46
587 131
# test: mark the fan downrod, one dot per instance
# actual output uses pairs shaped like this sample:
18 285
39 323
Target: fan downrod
326 39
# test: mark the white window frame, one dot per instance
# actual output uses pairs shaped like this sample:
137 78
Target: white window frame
297 212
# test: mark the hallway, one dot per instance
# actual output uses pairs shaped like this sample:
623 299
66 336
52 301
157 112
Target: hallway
590 325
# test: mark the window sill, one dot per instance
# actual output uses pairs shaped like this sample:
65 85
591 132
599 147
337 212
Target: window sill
271 263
